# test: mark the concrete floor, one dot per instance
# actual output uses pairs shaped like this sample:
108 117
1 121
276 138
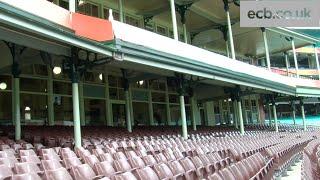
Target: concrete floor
295 174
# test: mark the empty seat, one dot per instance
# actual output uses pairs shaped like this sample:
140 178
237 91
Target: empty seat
28 152
5 171
58 174
125 176
164 171
50 164
26 176
106 157
31 158
122 165
147 174
83 172
70 162
136 162
91 160
149 160
104 168
8 161
26 167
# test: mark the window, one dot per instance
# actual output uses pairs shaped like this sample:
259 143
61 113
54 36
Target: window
6 108
89 9
157 85
64 4
158 97
159 114
162 30
93 77
33 85
140 95
140 113
34 107
63 110
62 88
173 98
132 21
95 111
116 15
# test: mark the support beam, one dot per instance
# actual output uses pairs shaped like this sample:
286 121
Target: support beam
240 116
72 5
235 113
151 120
183 118
127 100
50 98
303 115
174 20
266 47
293 109
121 10
270 115
81 105
226 8
181 92
295 56
275 116
193 112
168 113
287 62
317 60
16 97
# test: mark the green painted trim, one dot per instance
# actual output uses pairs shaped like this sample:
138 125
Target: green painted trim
309 92
190 64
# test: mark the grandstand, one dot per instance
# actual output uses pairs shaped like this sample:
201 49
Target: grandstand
149 90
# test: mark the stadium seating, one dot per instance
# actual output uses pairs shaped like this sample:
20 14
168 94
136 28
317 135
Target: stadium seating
151 154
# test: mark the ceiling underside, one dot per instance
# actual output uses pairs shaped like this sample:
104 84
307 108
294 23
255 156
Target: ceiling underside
204 19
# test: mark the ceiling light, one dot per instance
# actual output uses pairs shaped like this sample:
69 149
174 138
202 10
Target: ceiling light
141 83
57 70
100 77
3 86
27 108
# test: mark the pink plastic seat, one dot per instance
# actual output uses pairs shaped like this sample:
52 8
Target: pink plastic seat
125 176
122 165
31 158
58 174
70 162
8 161
91 160
105 168
106 157
147 174
5 171
26 176
26 167
83 172
50 164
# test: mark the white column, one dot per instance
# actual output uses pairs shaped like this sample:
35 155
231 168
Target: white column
270 115
240 117
235 114
174 20
317 60
275 116
168 105
227 49
295 57
185 35
266 47
233 54
303 117
294 116
193 112
150 108
287 63
16 97
131 106
76 115
81 105
221 112
108 102
50 98
72 5
121 10
183 118
128 120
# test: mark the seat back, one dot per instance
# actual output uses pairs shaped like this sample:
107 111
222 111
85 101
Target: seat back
50 164
104 168
163 171
147 174
58 174
83 171
26 167
5 171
